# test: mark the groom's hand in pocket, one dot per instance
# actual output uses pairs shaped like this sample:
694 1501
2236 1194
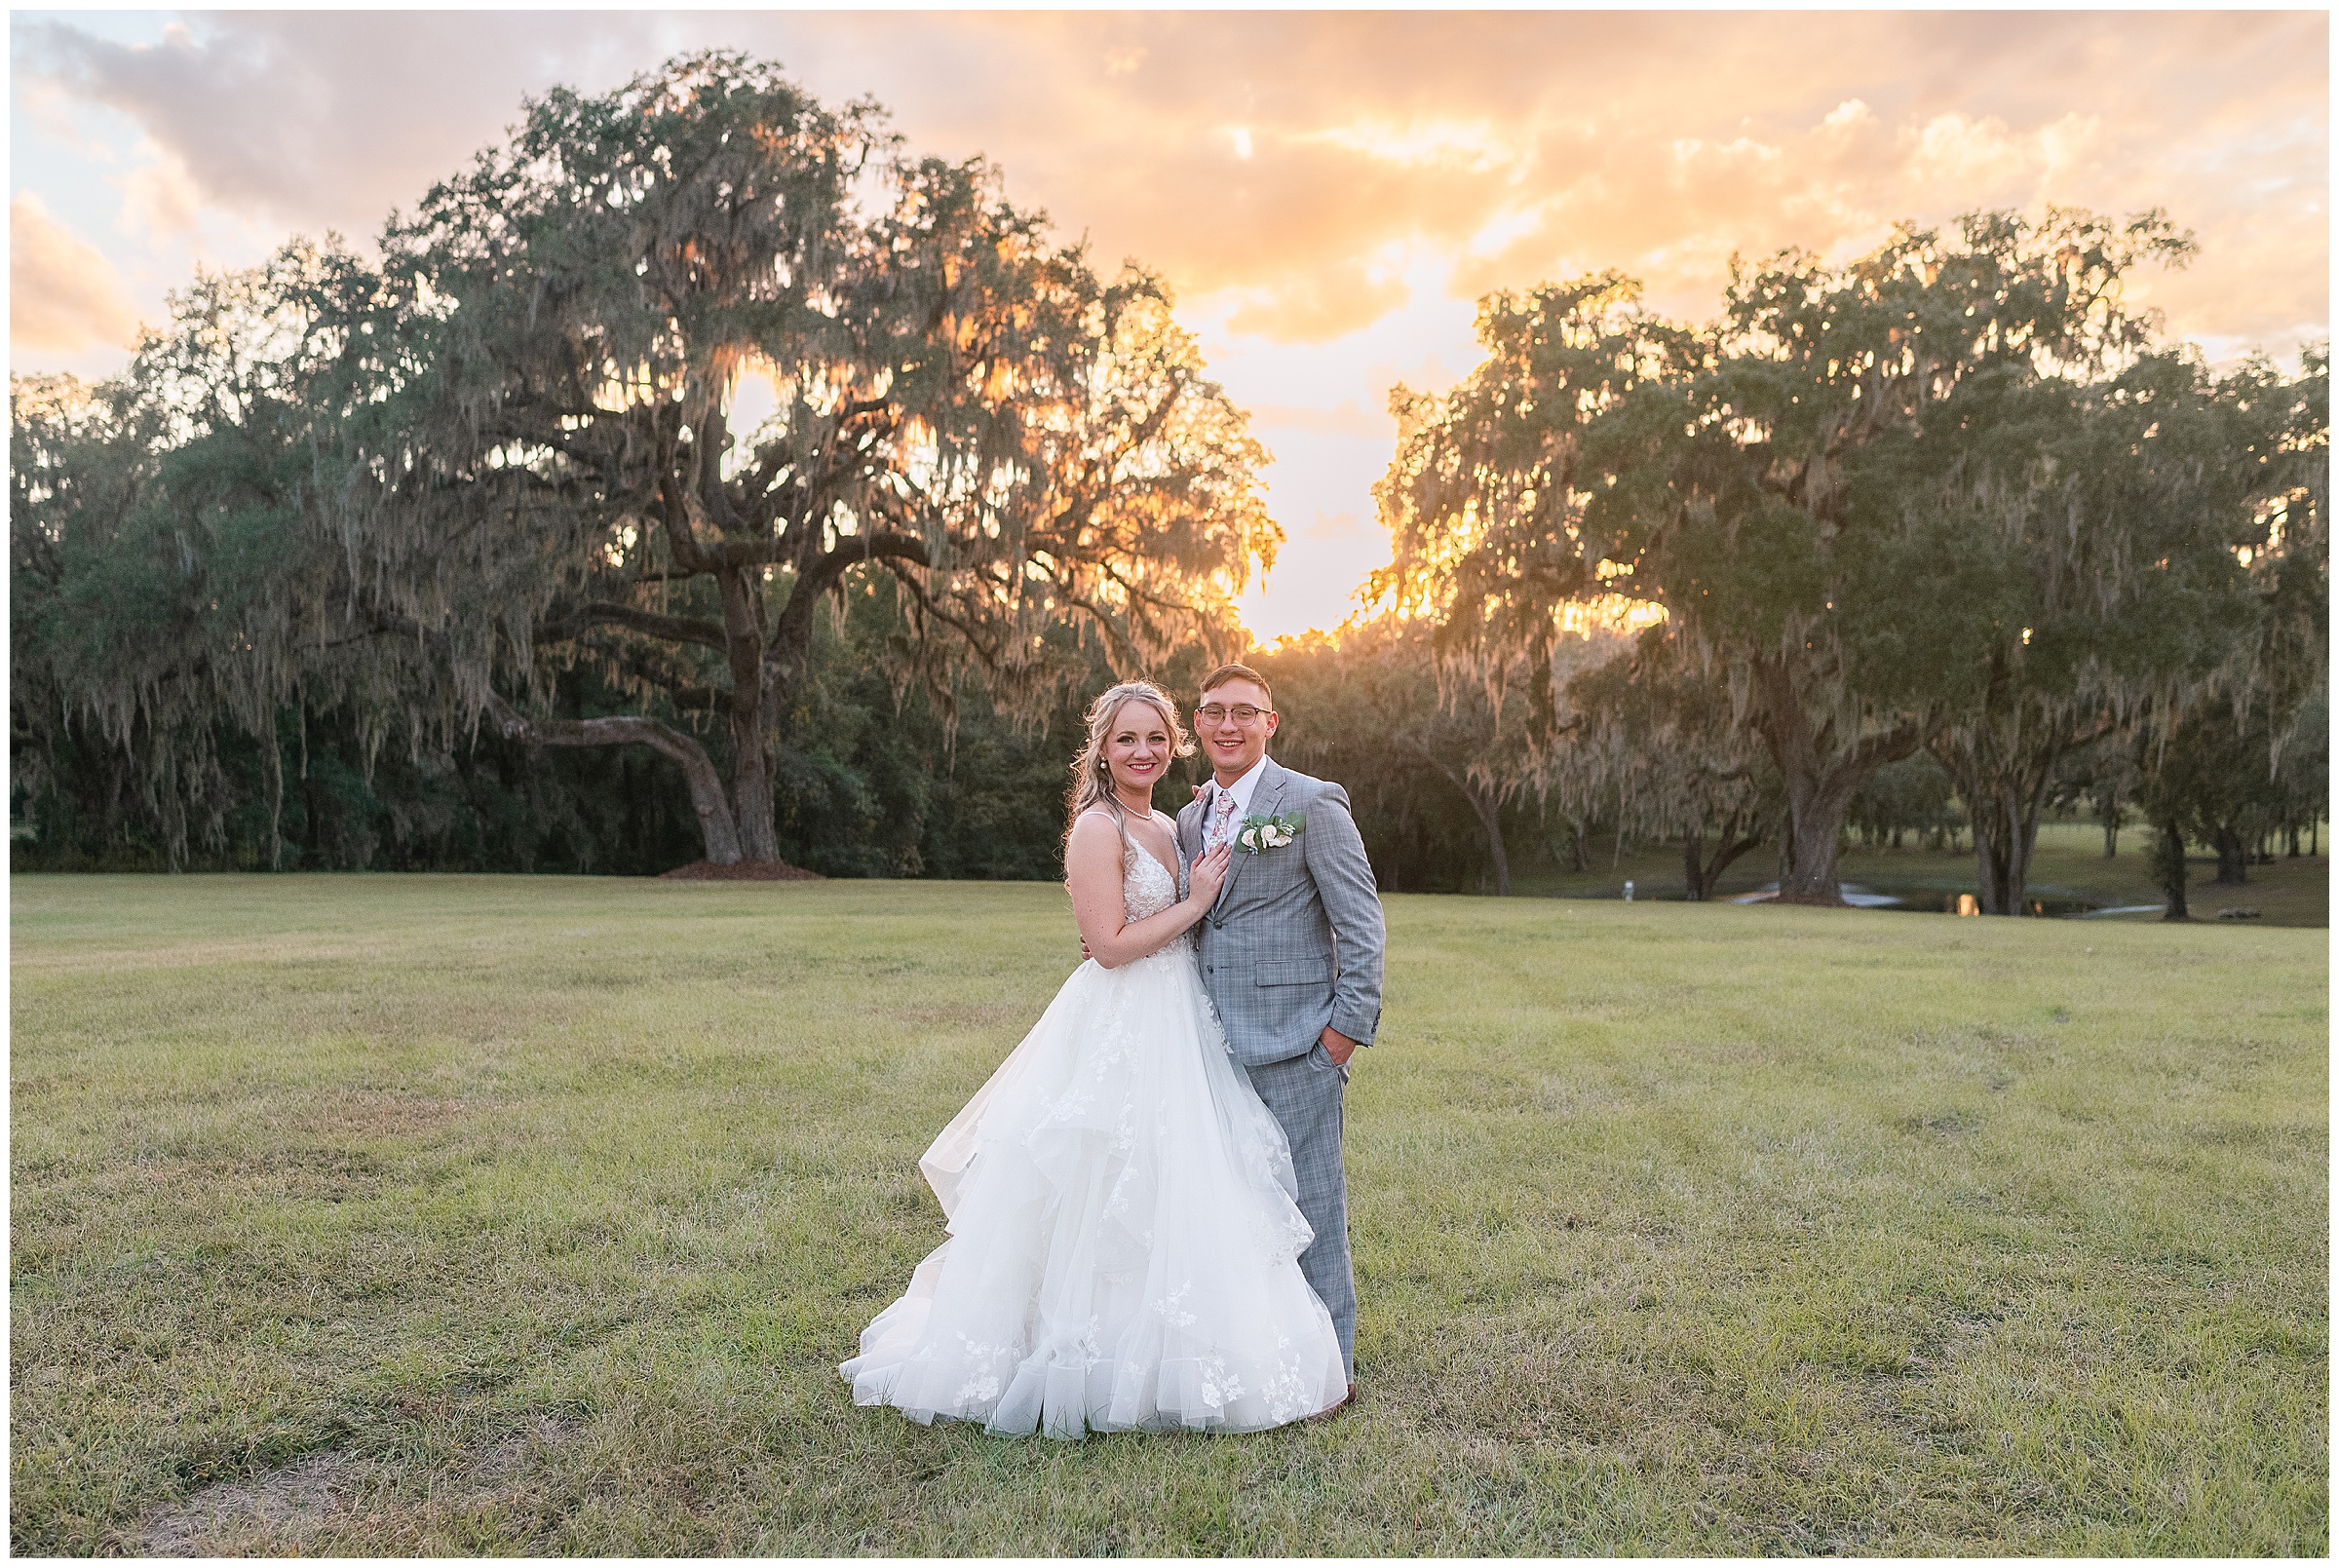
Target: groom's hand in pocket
1338 1046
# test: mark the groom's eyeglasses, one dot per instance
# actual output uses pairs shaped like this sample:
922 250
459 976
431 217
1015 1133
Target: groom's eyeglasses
1241 713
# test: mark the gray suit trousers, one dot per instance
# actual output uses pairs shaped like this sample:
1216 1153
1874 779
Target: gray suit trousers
1308 1095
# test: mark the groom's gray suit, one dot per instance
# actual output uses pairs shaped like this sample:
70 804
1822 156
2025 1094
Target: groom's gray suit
1294 944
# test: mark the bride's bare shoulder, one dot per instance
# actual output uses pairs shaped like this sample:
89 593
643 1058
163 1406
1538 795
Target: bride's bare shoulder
1095 823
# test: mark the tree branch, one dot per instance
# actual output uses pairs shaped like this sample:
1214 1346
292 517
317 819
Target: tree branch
670 627
715 821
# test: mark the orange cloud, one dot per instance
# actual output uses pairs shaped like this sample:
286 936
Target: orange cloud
63 295
1531 145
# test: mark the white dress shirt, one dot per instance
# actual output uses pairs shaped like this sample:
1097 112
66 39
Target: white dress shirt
1242 790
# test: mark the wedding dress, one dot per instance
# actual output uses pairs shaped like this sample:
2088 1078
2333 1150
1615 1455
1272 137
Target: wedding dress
1123 1241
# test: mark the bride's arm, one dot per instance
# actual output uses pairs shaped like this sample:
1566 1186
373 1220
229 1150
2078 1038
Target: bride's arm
1092 868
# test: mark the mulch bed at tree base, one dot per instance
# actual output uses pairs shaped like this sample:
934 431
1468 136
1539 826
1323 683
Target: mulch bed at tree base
741 871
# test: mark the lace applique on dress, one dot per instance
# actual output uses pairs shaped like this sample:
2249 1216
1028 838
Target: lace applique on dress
1146 886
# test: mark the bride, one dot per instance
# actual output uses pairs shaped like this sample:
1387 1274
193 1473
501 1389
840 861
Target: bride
1123 1241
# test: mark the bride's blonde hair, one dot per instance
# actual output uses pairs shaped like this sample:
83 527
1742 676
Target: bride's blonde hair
1091 777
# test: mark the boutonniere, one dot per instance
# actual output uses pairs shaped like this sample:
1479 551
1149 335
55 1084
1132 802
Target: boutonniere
1269 833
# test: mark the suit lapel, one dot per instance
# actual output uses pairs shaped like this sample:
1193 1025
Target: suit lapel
1263 802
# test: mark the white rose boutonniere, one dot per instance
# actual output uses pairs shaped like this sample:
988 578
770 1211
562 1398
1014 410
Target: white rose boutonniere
1258 833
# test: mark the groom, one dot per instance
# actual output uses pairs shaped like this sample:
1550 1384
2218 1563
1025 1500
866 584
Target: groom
1291 954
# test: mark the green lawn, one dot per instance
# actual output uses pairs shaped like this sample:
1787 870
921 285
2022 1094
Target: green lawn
452 1214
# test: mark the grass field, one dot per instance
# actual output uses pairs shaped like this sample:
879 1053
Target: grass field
417 1215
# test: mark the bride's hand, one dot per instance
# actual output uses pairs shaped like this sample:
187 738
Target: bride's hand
1208 874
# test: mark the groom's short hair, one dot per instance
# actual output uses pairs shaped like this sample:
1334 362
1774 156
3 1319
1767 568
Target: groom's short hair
1226 673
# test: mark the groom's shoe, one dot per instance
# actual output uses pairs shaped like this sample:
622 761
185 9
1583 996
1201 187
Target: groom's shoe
1331 1410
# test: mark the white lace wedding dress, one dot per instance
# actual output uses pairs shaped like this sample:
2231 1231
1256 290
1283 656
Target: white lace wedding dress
1122 1239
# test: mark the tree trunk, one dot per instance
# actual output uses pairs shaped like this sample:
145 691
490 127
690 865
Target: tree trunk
1702 873
751 800
2006 834
753 690
2232 856
272 773
2168 870
1822 775
2003 765
1816 803
1490 818
2107 810
1489 808
2002 856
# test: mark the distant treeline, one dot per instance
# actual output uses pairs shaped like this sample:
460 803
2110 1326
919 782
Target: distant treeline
872 782
876 782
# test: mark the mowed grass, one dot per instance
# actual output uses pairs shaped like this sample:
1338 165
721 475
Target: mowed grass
421 1215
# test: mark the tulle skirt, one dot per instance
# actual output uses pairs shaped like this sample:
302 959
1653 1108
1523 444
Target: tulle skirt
1123 1243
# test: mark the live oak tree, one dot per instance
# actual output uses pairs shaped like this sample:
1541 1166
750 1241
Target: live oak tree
2227 766
536 462
428 484
169 587
2248 758
959 404
2112 528
1811 494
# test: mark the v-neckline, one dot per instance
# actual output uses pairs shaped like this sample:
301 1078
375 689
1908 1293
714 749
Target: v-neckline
1168 872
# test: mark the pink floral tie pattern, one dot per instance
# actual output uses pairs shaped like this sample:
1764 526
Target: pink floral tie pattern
1221 822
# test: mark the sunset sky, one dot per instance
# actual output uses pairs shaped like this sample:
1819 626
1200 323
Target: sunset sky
1327 192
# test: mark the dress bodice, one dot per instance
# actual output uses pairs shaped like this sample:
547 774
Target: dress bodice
1146 887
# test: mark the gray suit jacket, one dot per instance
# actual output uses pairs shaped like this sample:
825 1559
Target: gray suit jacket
1295 940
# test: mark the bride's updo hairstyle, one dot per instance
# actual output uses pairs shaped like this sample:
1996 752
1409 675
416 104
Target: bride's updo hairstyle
1092 779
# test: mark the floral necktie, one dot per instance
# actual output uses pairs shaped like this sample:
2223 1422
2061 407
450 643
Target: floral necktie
1220 818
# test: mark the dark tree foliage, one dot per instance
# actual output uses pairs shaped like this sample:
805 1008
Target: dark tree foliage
2210 781
877 779
2305 777
1911 797
1653 745
342 804
1433 777
2229 770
